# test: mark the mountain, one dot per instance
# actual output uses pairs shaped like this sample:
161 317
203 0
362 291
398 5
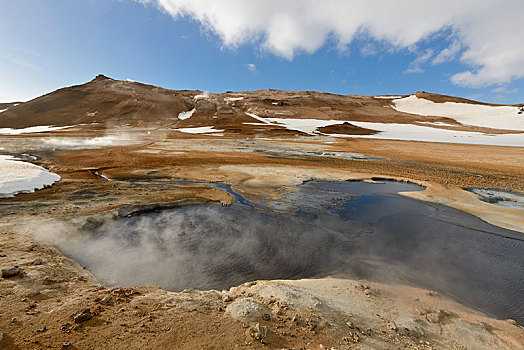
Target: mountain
101 100
126 103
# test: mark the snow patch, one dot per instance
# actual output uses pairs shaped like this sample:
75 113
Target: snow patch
204 94
393 131
3 110
435 123
387 97
233 98
263 120
186 115
32 129
21 177
496 117
410 132
199 130
308 126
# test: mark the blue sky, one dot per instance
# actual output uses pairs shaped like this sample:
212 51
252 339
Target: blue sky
47 45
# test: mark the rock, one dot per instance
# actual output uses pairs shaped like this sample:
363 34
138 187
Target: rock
266 317
311 324
82 315
431 293
412 332
353 338
66 345
511 321
10 272
434 317
205 106
486 326
1 337
227 299
33 293
246 309
37 262
106 301
421 311
258 332
393 326
41 330
225 109
48 280
350 324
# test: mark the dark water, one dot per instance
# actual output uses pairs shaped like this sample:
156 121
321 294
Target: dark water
352 229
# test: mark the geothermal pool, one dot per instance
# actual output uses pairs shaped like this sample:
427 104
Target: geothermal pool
347 229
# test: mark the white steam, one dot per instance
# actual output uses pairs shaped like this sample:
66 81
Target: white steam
93 142
195 247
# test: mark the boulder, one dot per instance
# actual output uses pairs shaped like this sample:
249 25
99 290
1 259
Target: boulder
247 309
37 262
10 272
258 332
205 106
82 315
33 293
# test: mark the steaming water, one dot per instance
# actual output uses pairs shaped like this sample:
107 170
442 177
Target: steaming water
353 229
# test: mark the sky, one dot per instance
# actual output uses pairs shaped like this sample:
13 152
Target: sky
468 48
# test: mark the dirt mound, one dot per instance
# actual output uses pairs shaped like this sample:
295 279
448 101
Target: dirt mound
347 129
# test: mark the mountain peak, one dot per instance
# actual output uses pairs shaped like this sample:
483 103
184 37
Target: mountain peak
101 77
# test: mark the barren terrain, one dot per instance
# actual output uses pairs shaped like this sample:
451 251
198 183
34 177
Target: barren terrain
128 144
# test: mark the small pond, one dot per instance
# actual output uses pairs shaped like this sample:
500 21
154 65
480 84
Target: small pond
347 229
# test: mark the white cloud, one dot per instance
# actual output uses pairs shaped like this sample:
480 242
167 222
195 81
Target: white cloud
252 68
448 54
414 66
368 49
504 90
489 32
